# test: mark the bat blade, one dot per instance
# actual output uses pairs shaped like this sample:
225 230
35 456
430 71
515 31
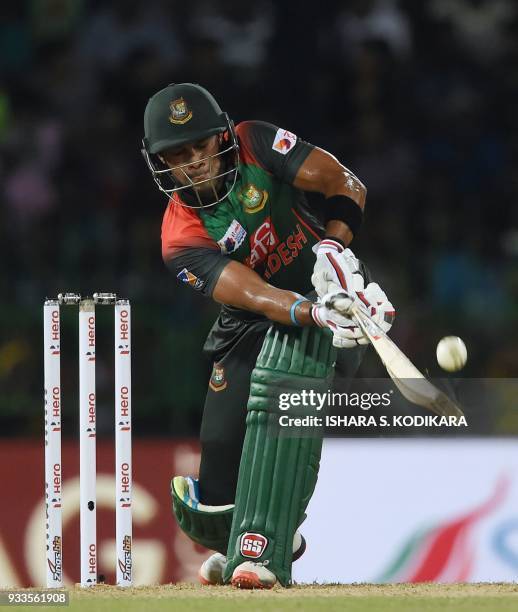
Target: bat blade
412 384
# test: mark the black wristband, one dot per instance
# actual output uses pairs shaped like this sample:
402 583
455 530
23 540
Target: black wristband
342 208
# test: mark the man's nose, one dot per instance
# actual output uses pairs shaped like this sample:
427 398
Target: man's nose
196 164
195 159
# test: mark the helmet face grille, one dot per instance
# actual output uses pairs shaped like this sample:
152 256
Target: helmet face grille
191 198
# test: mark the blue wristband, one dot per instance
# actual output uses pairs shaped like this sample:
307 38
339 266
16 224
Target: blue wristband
292 310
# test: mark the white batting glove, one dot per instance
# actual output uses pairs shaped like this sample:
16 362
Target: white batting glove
349 336
334 266
335 310
332 310
378 306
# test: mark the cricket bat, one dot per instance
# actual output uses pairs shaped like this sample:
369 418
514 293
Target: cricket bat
414 386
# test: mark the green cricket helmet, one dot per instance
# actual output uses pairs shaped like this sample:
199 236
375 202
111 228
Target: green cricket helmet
182 113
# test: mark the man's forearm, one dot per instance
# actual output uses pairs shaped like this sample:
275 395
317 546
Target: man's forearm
277 305
340 230
348 219
281 311
243 288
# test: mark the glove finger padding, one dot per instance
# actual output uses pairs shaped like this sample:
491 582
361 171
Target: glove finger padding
341 341
332 266
320 278
374 301
379 307
353 262
333 310
349 336
338 303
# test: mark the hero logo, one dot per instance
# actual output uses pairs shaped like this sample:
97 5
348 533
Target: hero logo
124 404
284 141
90 354
125 483
233 238
56 481
261 242
124 332
56 406
91 332
92 559
91 408
90 430
54 331
253 545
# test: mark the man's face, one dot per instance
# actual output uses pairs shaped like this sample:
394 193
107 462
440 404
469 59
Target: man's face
192 154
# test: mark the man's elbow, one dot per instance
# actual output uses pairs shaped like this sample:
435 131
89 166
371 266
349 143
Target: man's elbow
347 184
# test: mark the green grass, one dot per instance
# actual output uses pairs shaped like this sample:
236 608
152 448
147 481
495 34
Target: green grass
331 604
314 598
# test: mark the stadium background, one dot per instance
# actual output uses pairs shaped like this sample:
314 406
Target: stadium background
418 99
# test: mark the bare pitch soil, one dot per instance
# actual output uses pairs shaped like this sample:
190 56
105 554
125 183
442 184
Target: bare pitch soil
195 591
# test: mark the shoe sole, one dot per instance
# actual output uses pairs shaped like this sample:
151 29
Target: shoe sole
204 581
248 580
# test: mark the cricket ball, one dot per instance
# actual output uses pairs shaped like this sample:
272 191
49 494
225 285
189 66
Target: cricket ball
452 354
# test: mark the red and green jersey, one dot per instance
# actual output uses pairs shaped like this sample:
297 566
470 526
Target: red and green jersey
263 223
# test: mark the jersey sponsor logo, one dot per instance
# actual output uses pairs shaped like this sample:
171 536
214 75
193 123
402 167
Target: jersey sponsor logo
261 243
188 277
217 380
265 246
286 251
253 545
284 141
180 112
233 238
253 198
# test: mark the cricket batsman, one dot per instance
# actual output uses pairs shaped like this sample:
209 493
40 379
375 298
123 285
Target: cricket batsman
238 228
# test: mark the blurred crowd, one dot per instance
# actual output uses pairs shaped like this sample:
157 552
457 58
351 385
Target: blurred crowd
417 98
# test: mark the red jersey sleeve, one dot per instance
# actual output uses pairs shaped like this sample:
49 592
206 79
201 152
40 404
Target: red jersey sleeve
188 250
182 228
